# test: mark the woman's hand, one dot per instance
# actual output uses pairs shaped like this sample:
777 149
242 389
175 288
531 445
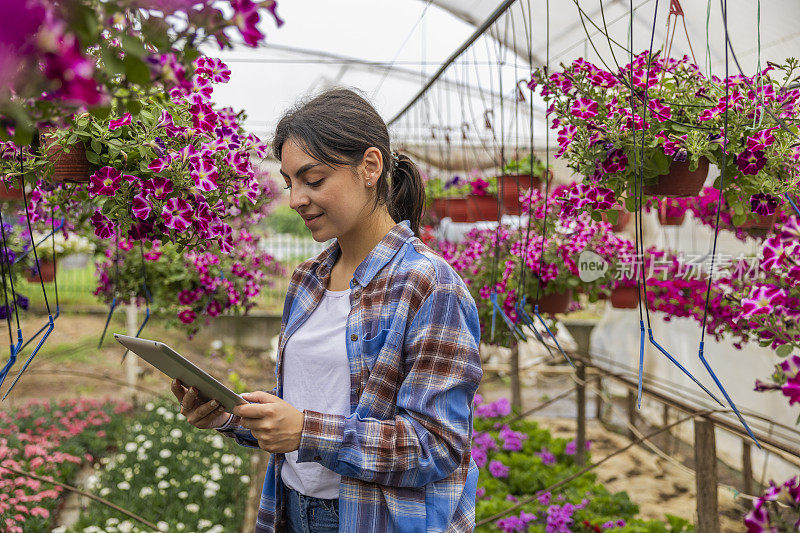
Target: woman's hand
206 415
274 422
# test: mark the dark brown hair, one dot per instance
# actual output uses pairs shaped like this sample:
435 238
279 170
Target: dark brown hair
336 128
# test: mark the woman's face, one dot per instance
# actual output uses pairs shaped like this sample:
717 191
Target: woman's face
332 201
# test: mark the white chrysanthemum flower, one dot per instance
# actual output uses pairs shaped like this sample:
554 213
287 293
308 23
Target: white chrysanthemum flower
204 524
208 493
176 433
123 485
59 529
192 507
161 471
147 444
163 484
212 485
164 453
126 527
216 529
169 416
163 526
105 491
149 406
197 478
130 447
180 526
161 410
145 492
244 478
112 521
228 512
218 441
140 438
183 495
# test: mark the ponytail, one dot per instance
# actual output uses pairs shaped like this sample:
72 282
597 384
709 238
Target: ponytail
407 198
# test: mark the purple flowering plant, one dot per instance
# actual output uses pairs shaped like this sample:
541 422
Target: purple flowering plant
518 459
778 509
67 57
175 171
601 138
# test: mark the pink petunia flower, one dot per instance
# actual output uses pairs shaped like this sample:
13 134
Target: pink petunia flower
140 207
105 182
103 227
177 214
159 187
584 108
205 175
125 120
762 300
763 204
187 316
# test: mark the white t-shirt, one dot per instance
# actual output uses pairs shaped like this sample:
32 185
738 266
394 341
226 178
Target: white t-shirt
316 376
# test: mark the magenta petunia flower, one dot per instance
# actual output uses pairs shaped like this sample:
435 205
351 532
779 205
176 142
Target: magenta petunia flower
659 111
763 204
187 297
177 214
125 120
140 207
584 108
187 316
105 182
213 68
498 469
479 186
159 187
103 227
761 139
203 117
205 175
751 162
762 300
214 308
246 20
160 164
791 366
757 520
616 161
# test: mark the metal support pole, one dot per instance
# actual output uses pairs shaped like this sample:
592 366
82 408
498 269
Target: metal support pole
132 361
631 412
580 449
516 392
705 459
747 468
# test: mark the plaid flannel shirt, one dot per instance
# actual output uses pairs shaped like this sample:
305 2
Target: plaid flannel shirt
404 452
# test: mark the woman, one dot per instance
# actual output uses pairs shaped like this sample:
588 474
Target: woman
370 425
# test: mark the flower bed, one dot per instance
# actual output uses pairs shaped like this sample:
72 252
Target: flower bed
165 472
519 459
50 439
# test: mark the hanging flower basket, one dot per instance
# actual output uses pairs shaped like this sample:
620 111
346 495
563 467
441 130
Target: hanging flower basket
455 208
670 214
511 186
47 267
761 225
680 181
557 302
69 166
624 298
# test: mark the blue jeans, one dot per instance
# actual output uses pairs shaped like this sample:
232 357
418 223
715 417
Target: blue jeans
305 514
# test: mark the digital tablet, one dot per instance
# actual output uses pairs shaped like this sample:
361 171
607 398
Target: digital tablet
174 365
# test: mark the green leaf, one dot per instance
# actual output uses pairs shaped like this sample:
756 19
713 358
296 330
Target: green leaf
783 350
630 204
133 46
92 157
612 215
100 112
133 106
96 146
136 71
112 61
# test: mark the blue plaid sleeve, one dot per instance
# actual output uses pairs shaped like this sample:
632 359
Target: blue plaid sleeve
431 431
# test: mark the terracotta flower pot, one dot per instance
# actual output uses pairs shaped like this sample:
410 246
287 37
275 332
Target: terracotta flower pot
455 208
508 186
481 207
761 225
9 193
558 302
72 166
48 269
680 181
666 220
622 220
624 298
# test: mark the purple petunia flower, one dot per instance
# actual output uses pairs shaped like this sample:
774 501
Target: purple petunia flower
751 162
159 187
762 300
205 175
616 161
187 316
177 214
140 207
763 204
103 227
584 108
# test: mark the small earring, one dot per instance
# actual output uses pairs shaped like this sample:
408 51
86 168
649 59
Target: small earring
369 183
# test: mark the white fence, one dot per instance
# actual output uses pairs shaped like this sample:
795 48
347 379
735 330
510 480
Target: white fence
291 248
